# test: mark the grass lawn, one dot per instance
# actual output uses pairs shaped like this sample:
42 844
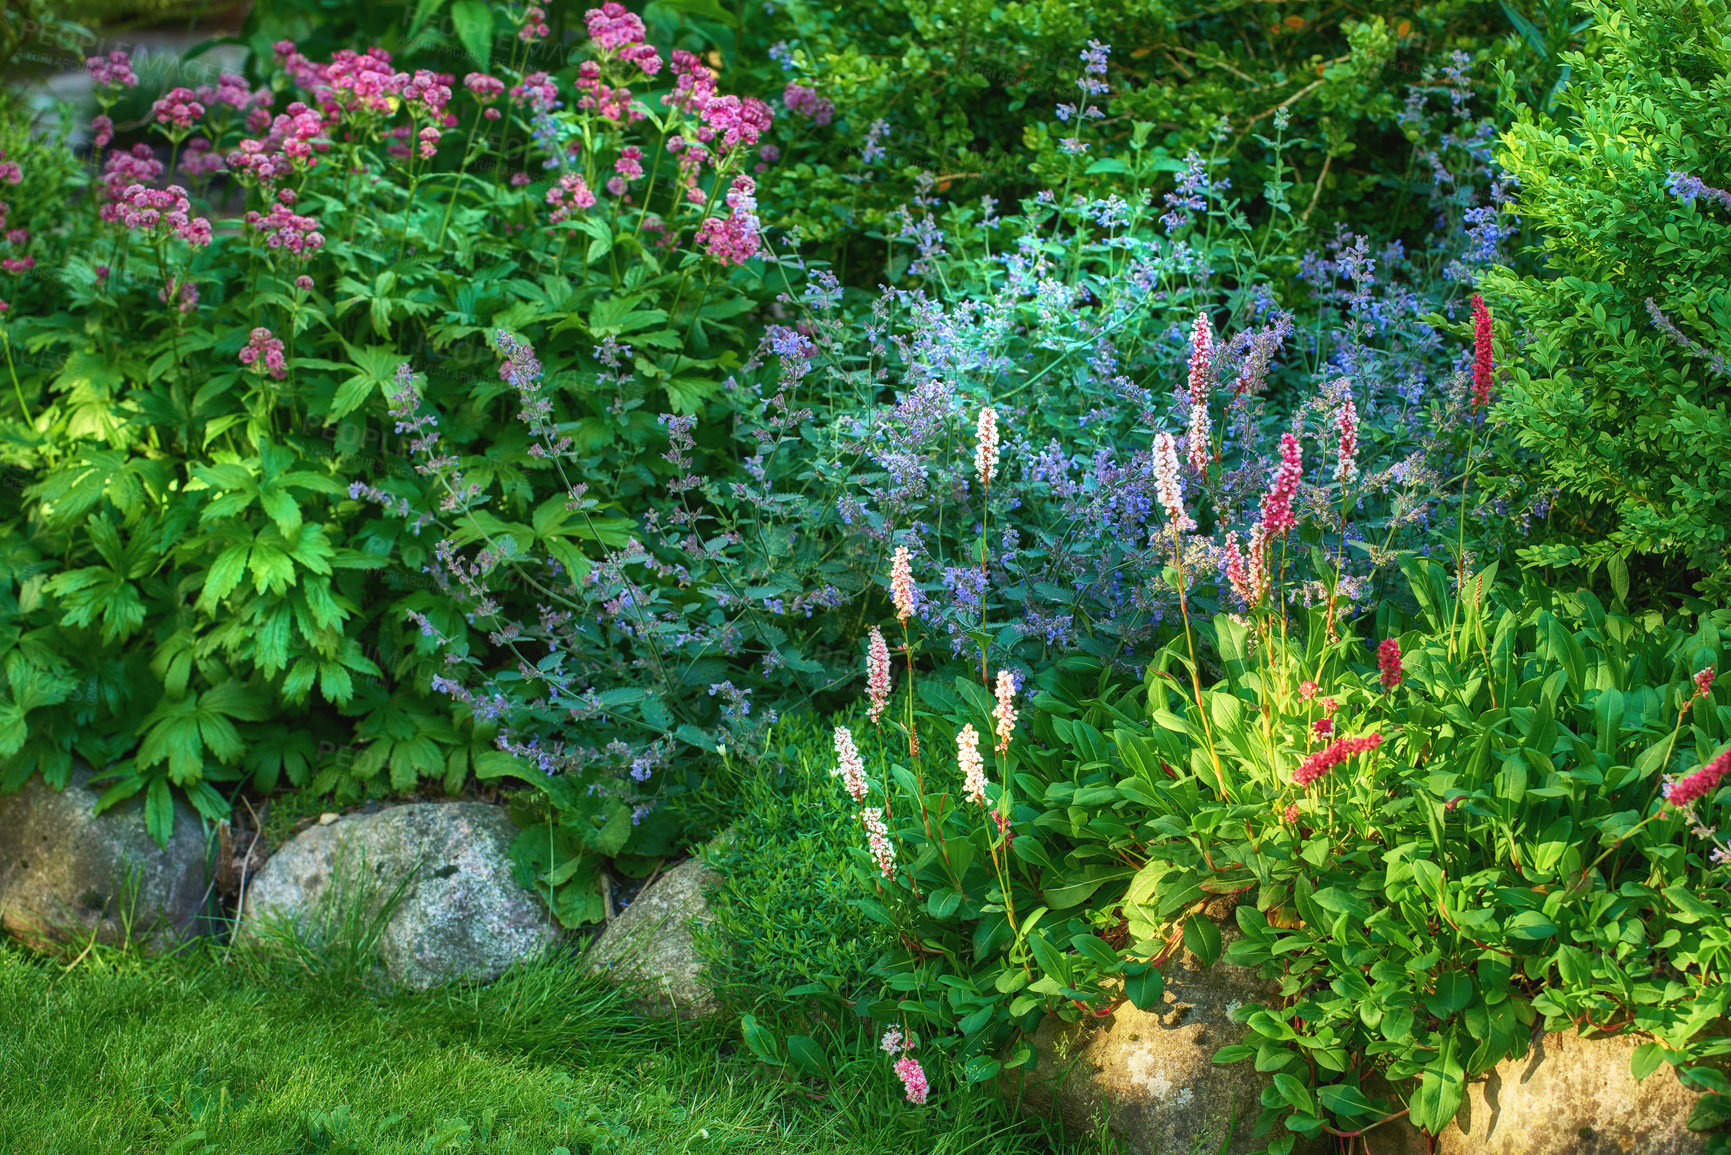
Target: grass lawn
189 1056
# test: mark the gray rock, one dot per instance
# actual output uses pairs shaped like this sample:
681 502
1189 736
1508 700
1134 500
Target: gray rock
460 913
1568 1096
650 943
66 873
1150 1075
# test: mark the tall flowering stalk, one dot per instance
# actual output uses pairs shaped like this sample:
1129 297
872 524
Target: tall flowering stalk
986 467
1483 367
906 600
1201 380
1178 521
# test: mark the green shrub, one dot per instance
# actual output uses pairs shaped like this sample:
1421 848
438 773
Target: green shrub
1622 389
1494 851
966 93
208 585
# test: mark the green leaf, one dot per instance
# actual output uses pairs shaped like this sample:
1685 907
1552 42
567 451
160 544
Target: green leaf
1532 926
1202 939
1454 990
1146 988
473 20
1646 1058
806 1056
159 812
1345 1100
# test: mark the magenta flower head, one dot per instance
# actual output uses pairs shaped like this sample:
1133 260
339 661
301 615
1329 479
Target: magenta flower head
877 676
179 109
486 88
612 27
1332 755
1166 486
1699 784
1388 659
1483 358
114 71
1201 385
264 353
1704 682
1277 502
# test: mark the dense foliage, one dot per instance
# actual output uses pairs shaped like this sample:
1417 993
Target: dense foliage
1111 383
1483 824
1623 389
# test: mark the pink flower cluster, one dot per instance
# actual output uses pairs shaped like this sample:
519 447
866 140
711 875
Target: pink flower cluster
627 168
1388 660
1699 784
735 239
122 170
1247 575
1347 422
877 676
1004 711
367 79
185 291
807 102
736 122
539 90
200 159
617 31
233 91
264 353
1201 385
569 196
614 104
1166 487
534 26
902 592
115 70
986 445
972 766
487 89
293 142
1484 362
9 170
878 836
1332 755
102 128
178 108
913 1078
302 71
1277 502
851 768
1703 680
147 210
284 229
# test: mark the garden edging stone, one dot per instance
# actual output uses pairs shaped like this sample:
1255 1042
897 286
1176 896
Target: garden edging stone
66 872
461 915
650 944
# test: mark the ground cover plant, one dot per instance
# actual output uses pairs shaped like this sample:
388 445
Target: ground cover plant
196 1057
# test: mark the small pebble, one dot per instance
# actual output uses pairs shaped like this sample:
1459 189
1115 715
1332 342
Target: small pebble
327 818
